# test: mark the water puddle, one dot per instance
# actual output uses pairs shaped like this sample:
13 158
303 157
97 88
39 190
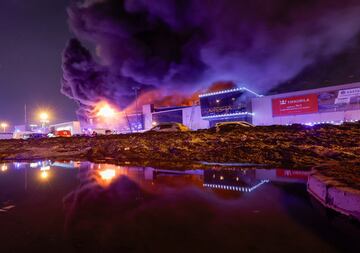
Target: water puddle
81 206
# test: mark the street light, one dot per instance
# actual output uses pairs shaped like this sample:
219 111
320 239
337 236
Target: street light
136 89
4 167
4 126
44 119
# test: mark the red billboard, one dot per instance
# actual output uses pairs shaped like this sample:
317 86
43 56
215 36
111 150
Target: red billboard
295 105
292 174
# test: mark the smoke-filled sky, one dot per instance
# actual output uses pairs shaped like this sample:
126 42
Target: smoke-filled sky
171 46
185 45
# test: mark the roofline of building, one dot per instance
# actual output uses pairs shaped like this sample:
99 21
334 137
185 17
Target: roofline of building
64 123
317 90
229 91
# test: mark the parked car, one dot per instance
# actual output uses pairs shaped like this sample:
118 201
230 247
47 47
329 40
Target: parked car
34 136
100 131
231 125
21 135
169 127
80 135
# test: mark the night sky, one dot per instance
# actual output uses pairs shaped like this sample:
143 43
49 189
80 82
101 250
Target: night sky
169 46
33 35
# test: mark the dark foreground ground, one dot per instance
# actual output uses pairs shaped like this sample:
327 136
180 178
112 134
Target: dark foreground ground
295 146
83 210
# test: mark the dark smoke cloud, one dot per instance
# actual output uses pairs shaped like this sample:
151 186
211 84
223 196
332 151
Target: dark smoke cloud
185 45
89 82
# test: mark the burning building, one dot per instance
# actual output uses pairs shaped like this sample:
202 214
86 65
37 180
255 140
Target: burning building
334 104
171 49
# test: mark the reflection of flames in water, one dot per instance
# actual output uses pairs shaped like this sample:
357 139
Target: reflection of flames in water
107 173
108 115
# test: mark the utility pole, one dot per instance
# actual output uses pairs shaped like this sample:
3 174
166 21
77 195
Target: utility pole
25 118
136 89
129 123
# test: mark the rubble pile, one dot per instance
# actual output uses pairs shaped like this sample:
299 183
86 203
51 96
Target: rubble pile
341 175
296 146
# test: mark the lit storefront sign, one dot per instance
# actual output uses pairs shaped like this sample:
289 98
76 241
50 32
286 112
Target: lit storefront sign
295 105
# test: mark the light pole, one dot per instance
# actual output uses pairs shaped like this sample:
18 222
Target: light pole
136 89
4 126
44 119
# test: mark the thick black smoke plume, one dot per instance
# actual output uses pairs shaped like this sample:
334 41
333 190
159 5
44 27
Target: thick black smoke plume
185 45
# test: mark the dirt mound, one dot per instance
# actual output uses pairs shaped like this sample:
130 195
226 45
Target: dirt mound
296 146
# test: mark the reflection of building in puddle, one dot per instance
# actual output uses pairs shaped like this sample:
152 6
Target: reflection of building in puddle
233 180
62 164
105 174
228 178
67 165
282 175
35 164
20 165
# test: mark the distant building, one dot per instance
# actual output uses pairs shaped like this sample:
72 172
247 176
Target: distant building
30 128
190 116
72 126
227 105
6 136
335 104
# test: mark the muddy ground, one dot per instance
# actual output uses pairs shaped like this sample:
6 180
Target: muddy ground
298 147
343 175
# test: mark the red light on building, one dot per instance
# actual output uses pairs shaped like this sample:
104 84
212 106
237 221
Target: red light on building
295 105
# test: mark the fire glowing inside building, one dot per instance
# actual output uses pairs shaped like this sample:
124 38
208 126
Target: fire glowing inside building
334 105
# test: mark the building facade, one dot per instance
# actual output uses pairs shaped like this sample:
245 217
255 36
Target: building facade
72 126
334 104
190 116
227 105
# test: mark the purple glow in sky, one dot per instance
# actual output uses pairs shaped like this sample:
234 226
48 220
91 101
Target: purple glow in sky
175 45
33 35
187 45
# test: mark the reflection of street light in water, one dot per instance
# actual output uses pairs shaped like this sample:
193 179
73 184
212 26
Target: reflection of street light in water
44 172
44 175
4 167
